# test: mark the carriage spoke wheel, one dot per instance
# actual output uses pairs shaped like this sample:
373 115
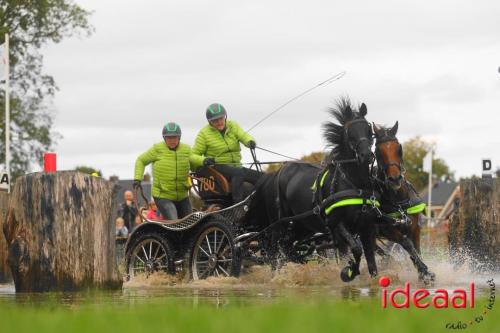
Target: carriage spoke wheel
214 253
150 254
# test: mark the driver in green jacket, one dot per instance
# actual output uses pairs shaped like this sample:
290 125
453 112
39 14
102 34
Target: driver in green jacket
171 166
218 145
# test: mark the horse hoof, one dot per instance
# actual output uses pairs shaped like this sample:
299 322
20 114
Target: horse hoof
347 274
428 278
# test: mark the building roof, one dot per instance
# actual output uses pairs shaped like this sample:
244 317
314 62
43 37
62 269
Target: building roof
441 192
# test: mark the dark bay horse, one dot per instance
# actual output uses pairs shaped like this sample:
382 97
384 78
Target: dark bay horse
399 199
342 194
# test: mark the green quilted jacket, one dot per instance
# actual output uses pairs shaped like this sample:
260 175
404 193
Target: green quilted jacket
170 170
224 147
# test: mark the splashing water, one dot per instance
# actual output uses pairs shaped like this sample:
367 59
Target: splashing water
262 284
316 276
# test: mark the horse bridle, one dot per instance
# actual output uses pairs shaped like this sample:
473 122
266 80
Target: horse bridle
384 166
360 140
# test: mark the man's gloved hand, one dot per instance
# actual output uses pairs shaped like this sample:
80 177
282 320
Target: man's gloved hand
136 184
209 161
252 144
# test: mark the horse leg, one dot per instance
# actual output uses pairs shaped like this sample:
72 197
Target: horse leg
368 241
273 249
379 232
415 231
423 271
356 250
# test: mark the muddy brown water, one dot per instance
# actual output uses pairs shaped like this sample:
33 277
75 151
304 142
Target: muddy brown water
261 285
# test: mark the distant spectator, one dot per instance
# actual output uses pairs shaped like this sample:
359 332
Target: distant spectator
138 220
153 212
121 229
128 212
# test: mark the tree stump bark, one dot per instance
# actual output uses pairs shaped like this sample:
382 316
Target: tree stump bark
60 232
4 268
474 230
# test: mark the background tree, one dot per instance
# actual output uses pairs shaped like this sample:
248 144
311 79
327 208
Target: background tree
414 151
31 25
88 170
114 178
314 157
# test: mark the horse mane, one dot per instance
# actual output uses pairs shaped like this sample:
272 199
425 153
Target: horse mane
343 111
383 134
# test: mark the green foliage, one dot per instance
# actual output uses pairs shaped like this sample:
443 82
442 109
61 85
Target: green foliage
31 25
272 168
314 157
415 150
88 170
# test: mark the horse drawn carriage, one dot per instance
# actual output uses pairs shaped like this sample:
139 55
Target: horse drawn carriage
302 209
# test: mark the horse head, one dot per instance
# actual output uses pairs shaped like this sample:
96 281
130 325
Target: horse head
389 155
353 135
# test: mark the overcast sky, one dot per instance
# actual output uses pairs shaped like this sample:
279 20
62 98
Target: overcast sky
431 65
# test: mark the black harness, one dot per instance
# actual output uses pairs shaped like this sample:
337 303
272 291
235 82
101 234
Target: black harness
369 196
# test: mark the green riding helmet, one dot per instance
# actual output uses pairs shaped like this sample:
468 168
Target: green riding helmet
215 111
171 129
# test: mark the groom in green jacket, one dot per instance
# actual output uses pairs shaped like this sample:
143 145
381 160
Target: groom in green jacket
170 160
218 145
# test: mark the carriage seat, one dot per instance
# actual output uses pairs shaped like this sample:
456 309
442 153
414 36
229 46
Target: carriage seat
212 181
212 186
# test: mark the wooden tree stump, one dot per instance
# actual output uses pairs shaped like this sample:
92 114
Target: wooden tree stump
4 268
474 230
60 232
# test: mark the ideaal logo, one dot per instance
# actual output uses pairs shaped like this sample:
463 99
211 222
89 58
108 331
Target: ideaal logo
477 319
458 299
440 300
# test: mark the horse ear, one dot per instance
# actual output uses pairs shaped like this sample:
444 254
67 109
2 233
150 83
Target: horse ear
362 109
394 130
376 129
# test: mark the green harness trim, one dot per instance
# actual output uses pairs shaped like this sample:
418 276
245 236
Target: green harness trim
351 202
321 182
416 209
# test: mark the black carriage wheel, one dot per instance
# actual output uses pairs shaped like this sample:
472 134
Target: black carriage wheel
213 253
150 253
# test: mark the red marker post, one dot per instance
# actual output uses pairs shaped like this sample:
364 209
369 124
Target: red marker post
49 162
